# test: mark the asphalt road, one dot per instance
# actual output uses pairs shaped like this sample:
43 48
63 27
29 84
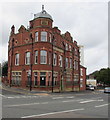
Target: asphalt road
90 104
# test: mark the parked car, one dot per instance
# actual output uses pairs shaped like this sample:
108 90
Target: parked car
90 87
107 90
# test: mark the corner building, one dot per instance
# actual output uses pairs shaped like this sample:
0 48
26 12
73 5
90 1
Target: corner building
40 54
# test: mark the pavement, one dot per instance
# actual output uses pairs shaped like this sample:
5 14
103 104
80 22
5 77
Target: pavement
23 90
27 91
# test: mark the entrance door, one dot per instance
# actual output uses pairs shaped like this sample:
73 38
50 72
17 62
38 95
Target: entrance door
42 81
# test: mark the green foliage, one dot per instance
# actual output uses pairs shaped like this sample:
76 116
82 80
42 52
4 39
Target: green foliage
102 76
5 68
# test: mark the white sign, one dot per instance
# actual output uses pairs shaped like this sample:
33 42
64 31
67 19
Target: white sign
29 72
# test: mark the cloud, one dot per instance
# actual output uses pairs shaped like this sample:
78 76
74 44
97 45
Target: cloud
96 58
86 21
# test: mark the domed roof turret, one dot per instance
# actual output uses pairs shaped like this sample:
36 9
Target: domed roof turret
42 14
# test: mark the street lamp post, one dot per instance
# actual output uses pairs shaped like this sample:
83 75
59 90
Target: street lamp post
64 70
31 64
52 63
73 69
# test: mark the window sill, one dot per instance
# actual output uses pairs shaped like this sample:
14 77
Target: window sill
17 65
27 64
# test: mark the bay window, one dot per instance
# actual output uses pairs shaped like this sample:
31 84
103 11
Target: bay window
43 36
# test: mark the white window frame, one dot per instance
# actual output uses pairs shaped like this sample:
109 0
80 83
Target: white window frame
81 85
43 58
66 46
81 80
70 62
60 61
27 58
67 62
70 47
17 59
81 70
36 36
55 59
36 57
50 37
16 78
43 36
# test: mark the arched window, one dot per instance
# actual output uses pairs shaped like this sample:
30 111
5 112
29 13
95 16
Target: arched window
36 57
43 57
66 46
66 62
36 36
70 62
27 58
17 59
55 59
43 36
70 48
60 61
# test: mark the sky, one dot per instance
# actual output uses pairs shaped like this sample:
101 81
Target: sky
86 20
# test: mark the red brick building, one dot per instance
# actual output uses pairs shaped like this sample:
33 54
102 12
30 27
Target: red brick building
82 78
42 57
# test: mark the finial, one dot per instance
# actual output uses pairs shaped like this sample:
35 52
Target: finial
13 26
13 29
42 7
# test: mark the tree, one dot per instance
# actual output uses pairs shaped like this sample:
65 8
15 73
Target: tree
102 76
5 68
